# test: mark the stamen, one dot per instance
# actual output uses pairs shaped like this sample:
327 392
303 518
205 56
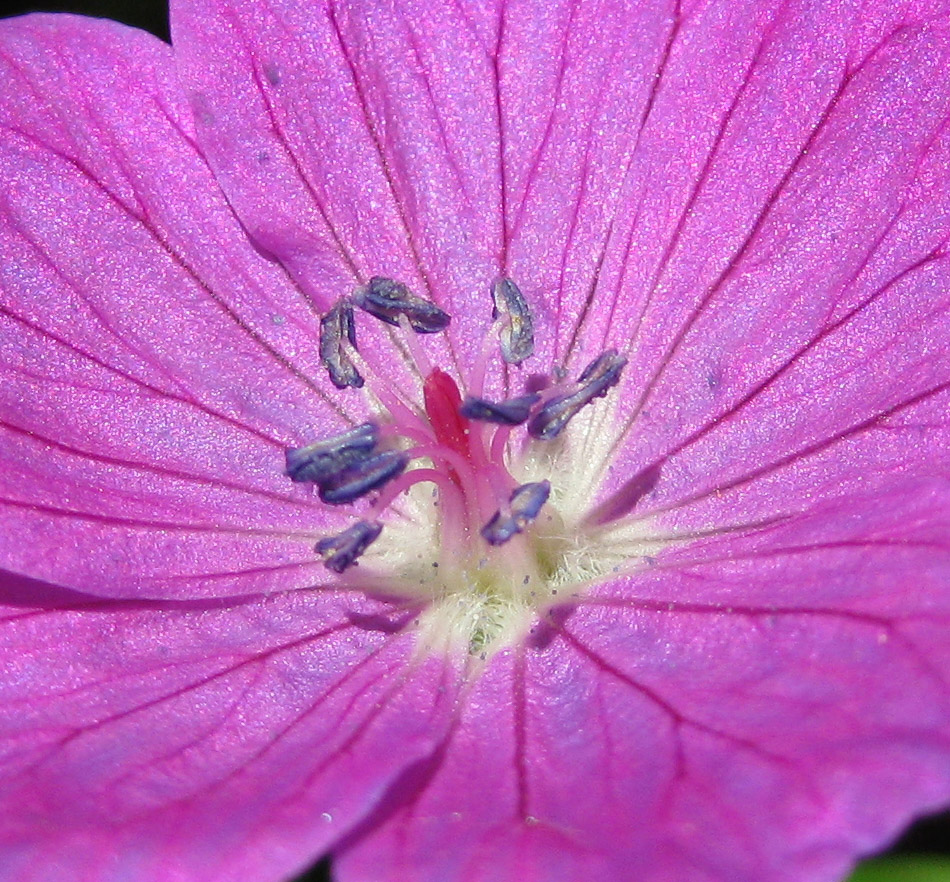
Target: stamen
387 299
448 491
474 494
602 373
523 507
337 328
362 476
517 331
499 444
341 551
316 462
461 445
416 352
512 412
391 397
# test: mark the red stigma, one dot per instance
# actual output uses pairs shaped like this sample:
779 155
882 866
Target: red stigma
443 400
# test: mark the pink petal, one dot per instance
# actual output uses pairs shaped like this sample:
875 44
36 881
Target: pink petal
381 138
768 702
213 740
748 199
786 344
154 366
333 151
692 740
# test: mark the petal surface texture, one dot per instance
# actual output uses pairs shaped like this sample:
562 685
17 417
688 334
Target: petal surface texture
781 281
203 740
749 201
155 366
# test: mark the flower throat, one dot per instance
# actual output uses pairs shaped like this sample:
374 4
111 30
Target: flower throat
447 521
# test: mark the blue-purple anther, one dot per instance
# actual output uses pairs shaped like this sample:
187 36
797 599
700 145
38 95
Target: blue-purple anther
387 300
341 551
524 506
337 331
517 328
319 461
346 466
512 412
594 381
362 476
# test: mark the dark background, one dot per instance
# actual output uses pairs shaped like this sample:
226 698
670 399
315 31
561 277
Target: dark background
928 836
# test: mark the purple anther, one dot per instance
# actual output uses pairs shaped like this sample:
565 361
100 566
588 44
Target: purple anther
602 373
362 476
337 329
524 506
317 462
512 412
341 551
387 300
553 418
517 331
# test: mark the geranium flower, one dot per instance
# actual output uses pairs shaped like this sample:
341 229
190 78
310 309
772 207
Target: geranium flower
476 440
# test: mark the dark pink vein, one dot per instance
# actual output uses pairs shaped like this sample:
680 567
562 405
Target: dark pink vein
657 80
504 244
145 524
189 271
157 469
376 141
758 224
701 179
142 384
866 425
536 160
612 504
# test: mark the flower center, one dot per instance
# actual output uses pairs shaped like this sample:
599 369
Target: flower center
476 510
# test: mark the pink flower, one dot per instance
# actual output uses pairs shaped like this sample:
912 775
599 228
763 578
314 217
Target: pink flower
684 619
